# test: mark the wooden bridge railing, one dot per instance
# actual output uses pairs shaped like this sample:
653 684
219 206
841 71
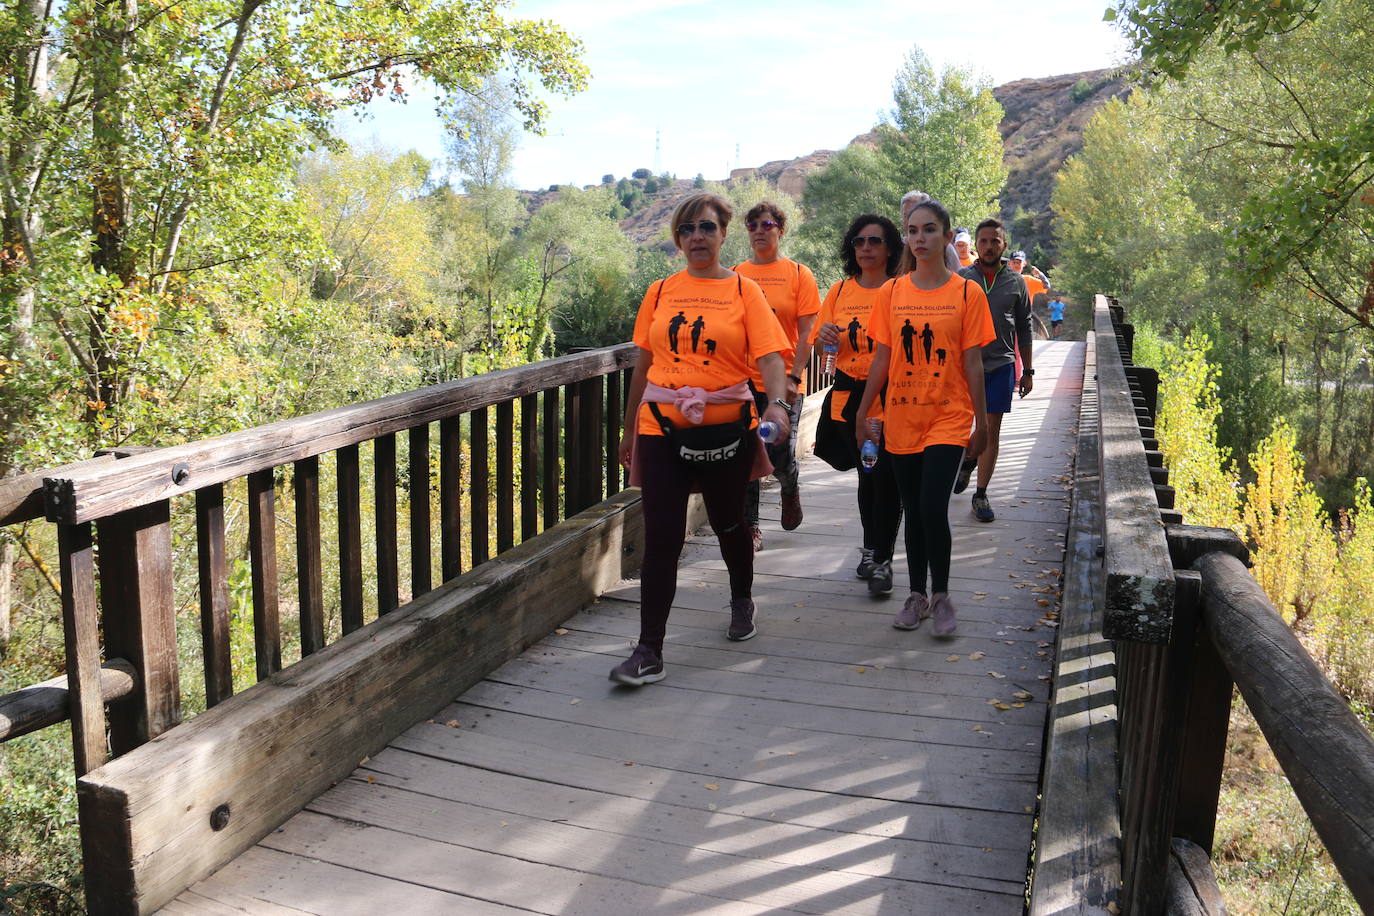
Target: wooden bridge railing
1188 622
113 516
556 422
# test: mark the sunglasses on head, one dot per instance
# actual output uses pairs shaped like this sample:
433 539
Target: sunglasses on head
760 224
706 226
860 241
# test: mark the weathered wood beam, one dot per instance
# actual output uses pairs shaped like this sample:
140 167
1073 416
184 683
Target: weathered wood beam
1140 578
173 811
1324 750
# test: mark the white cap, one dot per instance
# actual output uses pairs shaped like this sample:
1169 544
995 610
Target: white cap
962 236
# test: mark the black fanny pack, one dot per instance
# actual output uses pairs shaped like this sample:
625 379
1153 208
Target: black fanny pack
711 444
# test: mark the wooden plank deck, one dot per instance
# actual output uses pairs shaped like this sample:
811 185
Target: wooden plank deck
830 765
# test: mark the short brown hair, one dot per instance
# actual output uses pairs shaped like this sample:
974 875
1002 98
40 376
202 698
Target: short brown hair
991 222
769 208
691 207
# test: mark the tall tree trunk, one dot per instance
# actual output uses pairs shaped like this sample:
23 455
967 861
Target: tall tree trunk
112 37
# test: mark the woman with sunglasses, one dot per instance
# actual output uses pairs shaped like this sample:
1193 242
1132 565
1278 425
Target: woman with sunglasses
698 331
929 329
869 251
791 292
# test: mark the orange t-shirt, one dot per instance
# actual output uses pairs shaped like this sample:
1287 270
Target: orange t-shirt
848 304
965 262
928 401
1033 286
704 333
790 289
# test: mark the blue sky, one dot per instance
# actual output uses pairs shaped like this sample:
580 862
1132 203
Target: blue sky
780 79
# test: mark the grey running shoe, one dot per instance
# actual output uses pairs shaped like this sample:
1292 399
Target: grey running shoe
644 666
982 509
913 612
756 537
880 583
965 473
866 564
741 620
942 609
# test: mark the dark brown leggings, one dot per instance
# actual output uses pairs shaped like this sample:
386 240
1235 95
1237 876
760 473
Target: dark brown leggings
666 483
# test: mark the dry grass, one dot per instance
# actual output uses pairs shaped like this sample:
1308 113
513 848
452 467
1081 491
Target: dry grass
1268 858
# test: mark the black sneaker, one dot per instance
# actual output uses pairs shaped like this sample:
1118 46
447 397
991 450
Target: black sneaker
965 473
866 564
644 666
982 509
880 583
741 620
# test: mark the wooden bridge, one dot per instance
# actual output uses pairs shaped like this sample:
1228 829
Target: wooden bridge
460 750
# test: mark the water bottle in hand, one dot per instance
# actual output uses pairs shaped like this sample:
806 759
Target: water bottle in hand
770 432
868 454
831 350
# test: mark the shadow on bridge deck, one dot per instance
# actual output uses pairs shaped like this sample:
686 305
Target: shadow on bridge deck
830 765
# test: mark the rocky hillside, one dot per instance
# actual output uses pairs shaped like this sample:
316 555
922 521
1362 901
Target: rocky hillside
1042 127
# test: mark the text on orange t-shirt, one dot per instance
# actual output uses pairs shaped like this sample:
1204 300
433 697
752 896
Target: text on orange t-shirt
703 333
928 399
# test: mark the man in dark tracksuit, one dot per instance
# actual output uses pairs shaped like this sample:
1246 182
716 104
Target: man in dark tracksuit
1010 305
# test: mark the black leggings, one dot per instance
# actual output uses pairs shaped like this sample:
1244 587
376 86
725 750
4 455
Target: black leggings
925 481
666 483
880 507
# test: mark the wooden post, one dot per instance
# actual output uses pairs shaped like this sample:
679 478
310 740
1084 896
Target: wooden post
552 479
505 476
135 560
214 594
590 433
309 563
350 539
479 487
82 636
384 506
420 553
262 548
614 409
450 499
529 466
573 484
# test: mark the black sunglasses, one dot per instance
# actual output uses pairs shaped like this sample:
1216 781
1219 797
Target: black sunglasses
860 241
706 226
755 224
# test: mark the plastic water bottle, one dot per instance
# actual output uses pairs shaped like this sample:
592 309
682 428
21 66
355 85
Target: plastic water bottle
868 455
770 432
831 350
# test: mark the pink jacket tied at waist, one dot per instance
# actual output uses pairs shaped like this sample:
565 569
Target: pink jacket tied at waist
691 402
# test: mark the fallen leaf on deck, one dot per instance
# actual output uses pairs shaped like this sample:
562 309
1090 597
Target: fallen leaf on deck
861 670
371 779
561 631
712 787
627 764
996 675
1012 576
975 656
951 658
1018 705
574 701
1022 694
979 728
453 723
1043 645
1043 602
1000 705
364 760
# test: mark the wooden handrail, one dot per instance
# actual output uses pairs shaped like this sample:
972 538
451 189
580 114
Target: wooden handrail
84 494
1139 575
39 705
1324 750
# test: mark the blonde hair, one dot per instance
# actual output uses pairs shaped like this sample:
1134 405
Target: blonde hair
691 207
